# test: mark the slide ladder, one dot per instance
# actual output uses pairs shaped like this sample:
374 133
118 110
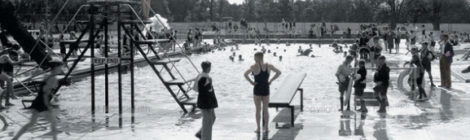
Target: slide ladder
164 67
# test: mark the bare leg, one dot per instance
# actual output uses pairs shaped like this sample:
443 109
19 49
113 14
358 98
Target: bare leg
51 116
9 90
34 118
1 98
257 100
265 113
5 123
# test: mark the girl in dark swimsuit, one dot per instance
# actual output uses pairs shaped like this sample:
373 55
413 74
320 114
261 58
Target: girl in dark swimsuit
261 83
42 103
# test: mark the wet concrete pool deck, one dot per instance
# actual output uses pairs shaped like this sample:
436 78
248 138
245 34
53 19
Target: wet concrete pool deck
445 116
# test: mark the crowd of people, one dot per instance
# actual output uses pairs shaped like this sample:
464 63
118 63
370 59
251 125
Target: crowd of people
369 47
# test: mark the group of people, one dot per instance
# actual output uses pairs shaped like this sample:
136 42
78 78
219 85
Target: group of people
287 25
260 79
421 63
194 37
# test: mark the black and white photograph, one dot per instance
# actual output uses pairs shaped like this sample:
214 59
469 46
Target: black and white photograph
234 69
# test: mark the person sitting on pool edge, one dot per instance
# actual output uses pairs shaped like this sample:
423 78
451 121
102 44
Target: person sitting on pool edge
261 83
342 74
206 101
381 79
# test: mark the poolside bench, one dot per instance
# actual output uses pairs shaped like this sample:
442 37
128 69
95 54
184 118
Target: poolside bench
284 96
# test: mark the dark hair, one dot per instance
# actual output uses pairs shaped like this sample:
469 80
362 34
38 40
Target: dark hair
349 58
205 66
15 47
445 35
382 57
362 62
259 54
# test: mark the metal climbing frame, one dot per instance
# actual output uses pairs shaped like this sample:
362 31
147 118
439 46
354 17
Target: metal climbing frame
123 17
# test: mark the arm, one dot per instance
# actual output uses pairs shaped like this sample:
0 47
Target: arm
201 85
277 71
247 77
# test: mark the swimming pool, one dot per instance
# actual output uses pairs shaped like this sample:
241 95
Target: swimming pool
158 116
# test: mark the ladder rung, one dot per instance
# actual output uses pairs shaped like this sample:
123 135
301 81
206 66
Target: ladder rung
177 82
72 41
112 2
190 101
165 61
153 41
135 22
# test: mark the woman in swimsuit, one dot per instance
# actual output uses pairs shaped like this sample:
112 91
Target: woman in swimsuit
260 71
42 103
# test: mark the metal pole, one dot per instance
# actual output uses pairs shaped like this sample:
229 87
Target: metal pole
106 47
132 78
119 67
92 38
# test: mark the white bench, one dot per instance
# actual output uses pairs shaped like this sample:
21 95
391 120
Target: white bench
285 94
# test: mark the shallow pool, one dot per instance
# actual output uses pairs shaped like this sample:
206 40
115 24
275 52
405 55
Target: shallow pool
158 116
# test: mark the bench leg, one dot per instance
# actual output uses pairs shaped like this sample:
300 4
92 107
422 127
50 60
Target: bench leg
301 99
292 115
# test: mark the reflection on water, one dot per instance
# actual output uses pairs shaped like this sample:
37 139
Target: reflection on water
445 100
359 129
380 130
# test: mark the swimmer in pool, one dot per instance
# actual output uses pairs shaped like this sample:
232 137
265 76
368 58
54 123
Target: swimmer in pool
261 73
263 49
306 52
240 58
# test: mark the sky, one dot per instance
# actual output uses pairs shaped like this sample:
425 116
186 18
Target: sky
236 1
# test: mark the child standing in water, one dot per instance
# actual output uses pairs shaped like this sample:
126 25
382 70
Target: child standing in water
360 84
206 101
343 72
381 79
42 103
261 72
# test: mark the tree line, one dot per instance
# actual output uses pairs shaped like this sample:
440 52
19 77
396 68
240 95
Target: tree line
379 11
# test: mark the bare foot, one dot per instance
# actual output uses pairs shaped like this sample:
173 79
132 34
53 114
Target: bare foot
257 131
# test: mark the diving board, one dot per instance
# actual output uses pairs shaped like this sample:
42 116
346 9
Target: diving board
285 94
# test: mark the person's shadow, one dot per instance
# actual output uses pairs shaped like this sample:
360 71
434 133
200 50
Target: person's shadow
283 133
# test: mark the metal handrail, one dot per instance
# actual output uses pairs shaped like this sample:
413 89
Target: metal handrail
142 23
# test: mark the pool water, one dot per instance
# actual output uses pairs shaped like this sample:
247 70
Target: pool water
157 115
